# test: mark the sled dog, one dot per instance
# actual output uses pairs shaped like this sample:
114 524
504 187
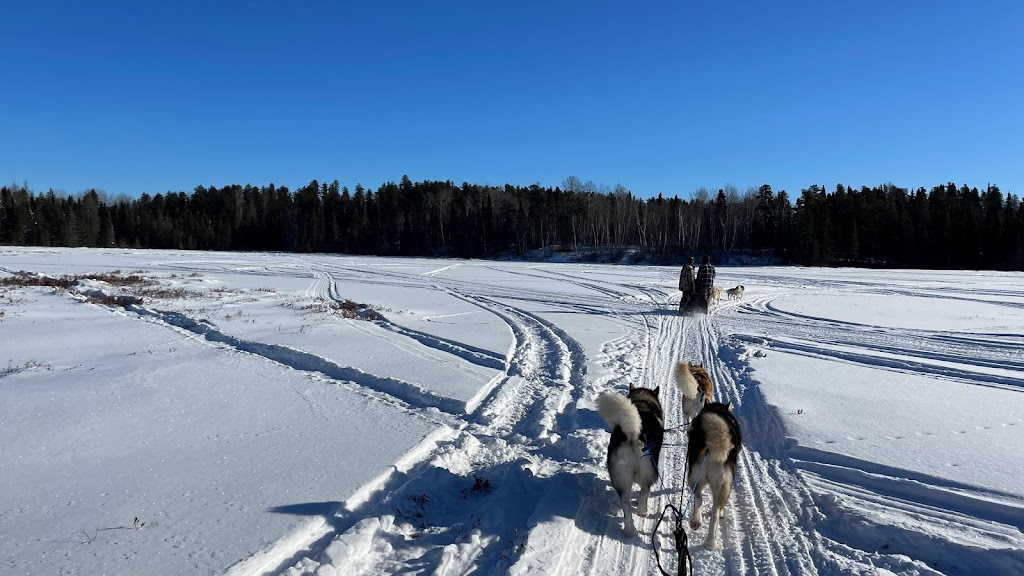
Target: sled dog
695 385
717 294
638 427
735 293
716 433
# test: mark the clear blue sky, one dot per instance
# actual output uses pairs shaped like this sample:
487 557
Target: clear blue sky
659 96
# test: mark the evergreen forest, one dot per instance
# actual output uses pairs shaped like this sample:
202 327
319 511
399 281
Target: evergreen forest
945 227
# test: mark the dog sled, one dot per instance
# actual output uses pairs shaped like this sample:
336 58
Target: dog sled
694 303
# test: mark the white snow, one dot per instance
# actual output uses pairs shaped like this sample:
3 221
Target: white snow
239 421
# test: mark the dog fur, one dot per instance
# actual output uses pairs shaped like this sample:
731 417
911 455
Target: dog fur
638 429
716 432
692 380
717 294
735 293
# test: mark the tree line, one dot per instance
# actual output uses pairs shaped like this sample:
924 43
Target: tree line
948 226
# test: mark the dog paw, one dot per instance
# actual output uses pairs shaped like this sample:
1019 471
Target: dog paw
629 531
641 510
712 544
695 524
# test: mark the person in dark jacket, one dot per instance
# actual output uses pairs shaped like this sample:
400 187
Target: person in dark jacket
686 280
705 282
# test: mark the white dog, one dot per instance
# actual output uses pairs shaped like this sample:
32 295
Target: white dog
735 293
717 294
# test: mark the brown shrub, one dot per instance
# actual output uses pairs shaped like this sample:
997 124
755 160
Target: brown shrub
112 300
347 309
21 279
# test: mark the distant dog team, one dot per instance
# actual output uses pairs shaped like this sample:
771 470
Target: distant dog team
638 428
718 293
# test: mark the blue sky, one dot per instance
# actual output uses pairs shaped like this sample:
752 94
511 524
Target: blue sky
665 97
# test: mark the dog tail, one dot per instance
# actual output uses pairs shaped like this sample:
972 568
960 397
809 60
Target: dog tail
685 381
617 410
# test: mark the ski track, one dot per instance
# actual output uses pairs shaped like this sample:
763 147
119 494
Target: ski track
533 431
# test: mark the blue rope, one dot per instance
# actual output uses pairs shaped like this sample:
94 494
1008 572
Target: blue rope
645 452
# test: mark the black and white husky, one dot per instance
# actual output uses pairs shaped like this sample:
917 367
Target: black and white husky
714 433
638 427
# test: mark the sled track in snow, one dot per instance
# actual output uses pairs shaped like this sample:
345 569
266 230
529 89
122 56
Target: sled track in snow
530 413
535 403
410 394
543 356
762 537
325 287
535 399
976 359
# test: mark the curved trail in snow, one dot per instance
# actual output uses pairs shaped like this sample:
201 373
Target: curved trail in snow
514 482
537 434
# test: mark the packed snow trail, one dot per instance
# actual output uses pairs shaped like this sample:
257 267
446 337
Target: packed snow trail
537 443
537 437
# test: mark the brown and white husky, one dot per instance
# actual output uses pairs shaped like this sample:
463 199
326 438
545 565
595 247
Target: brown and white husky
712 448
696 387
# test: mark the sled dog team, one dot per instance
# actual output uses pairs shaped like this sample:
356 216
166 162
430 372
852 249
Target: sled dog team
638 428
732 293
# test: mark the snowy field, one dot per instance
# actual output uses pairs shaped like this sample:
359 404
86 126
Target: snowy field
243 419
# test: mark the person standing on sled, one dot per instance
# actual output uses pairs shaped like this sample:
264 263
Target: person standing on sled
705 282
686 285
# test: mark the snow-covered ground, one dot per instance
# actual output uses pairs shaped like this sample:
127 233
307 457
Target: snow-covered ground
240 420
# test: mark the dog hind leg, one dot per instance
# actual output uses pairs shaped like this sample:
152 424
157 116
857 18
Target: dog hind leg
725 500
696 504
620 470
626 497
641 502
721 489
647 477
